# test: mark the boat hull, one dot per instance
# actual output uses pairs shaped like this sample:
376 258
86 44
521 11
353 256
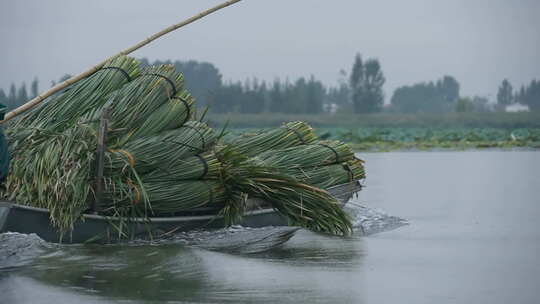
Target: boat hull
102 229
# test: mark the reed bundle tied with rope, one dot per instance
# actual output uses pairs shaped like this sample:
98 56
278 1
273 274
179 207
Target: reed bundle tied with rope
161 198
149 153
302 204
64 109
200 166
331 175
175 196
305 156
289 135
131 108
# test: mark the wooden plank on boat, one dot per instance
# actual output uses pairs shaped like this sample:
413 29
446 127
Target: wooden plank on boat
99 183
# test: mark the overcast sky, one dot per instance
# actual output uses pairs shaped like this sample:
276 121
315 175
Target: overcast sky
478 42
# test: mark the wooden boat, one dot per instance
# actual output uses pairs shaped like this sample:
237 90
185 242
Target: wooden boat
103 229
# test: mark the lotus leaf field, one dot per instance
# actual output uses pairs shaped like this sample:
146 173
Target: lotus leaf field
395 138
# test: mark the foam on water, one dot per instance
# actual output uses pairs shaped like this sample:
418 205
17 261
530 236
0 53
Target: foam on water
20 249
369 221
238 239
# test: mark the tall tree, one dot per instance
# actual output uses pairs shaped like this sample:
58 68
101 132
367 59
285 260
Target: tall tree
366 83
481 104
34 88
429 97
276 98
338 96
315 96
22 95
297 96
464 104
374 80
505 94
356 83
226 98
252 99
531 95
448 88
12 97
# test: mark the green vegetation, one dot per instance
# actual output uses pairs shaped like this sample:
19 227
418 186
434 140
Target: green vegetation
352 121
366 85
421 138
385 139
527 95
431 97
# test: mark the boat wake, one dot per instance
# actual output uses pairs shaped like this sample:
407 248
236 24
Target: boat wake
368 221
237 239
17 250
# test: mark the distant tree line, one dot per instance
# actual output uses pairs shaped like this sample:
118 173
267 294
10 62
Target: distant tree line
527 95
359 92
427 97
205 83
16 96
363 92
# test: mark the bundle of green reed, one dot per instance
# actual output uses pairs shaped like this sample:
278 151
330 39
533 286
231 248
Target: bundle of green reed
62 111
204 166
164 197
175 196
174 113
56 174
54 154
289 135
302 204
305 156
131 106
149 153
331 175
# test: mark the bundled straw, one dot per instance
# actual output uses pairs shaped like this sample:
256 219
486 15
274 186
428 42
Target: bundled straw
305 156
171 197
289 135
55 174
132 105
301 204
331 175
173 114
147 153
64 109
205 166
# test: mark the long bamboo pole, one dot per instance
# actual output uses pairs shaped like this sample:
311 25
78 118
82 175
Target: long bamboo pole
36 100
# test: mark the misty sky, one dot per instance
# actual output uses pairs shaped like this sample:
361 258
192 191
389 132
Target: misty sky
478 42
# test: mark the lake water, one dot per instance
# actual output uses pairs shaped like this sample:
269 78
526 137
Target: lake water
473 237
